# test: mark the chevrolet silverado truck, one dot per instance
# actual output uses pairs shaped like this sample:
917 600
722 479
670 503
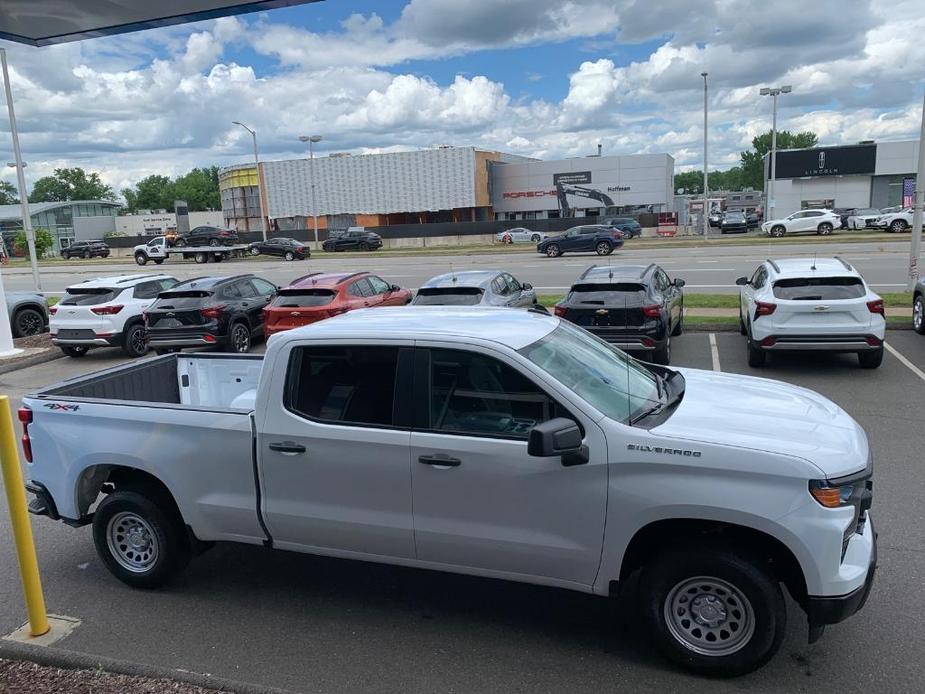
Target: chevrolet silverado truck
485 441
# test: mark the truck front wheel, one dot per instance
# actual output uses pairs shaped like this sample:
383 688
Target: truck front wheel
714 610
142 543
141 259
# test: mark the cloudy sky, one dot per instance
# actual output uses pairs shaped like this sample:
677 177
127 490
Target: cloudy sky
545 78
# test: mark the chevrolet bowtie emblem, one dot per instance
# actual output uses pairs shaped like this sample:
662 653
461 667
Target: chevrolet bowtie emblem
821 308
602 312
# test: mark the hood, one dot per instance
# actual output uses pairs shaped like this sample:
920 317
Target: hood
766 415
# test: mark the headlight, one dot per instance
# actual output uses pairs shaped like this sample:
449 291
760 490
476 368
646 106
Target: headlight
855 491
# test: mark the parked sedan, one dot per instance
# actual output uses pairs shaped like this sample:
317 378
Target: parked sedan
287 248
519 235
28 313
353 240
476 287
86 249
226 312
733 223
322 295
594 238
634 307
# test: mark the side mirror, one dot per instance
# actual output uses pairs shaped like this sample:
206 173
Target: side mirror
526 286
558 437
742 281
394 288
679 283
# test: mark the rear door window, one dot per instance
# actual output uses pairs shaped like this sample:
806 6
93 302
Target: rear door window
819 288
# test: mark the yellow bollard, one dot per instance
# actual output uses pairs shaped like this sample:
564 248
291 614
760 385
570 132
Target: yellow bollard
19 518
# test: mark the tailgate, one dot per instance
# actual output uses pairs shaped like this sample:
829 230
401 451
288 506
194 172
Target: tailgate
821 303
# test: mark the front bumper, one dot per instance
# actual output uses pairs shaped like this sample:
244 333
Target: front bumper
823 610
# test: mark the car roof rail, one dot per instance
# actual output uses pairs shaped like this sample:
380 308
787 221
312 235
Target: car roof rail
305 277
587 270
847 266
773 265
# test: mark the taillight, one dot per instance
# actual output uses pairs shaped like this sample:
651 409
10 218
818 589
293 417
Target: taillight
25 417
336 311
653 311
648 342
769 342
52 310
874 341
209 338
764 309
560 311
213 311
224 233
106 310
876 306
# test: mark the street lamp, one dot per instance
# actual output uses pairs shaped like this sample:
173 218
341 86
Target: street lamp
311 140
773 92
706 166
263 218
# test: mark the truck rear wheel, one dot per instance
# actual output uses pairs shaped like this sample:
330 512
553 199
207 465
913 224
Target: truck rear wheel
142 541
714 610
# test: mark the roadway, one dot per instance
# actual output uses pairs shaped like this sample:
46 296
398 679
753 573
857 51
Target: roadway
313 624
707 268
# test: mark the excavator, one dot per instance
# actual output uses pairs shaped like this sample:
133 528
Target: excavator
563 190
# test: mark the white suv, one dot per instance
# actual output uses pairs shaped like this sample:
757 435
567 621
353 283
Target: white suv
106 312
820 304
821 222
895 221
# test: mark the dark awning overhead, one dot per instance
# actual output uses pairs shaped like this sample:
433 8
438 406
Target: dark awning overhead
43 22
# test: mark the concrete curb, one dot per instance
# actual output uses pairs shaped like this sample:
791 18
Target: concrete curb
71 660
16 364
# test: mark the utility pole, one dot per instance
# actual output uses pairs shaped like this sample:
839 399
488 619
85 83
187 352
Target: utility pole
774 93
311 140
706 160
916 245
260 191
20 177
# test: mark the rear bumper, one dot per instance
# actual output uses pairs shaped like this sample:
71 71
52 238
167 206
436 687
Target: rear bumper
96 340
628 341
155 342
821 343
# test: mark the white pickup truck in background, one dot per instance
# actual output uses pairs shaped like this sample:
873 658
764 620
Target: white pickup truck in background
493 442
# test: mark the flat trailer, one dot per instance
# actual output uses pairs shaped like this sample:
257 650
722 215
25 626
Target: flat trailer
157 250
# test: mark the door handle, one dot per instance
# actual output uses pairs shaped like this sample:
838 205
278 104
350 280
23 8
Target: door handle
287 447
440 460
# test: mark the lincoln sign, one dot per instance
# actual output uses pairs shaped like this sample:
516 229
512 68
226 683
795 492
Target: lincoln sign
827 161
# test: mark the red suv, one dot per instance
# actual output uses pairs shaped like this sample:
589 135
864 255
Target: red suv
321 295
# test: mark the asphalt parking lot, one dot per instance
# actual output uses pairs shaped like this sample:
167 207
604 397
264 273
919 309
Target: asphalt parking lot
313 624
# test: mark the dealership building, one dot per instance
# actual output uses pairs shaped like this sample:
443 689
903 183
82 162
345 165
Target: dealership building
444 184
868 174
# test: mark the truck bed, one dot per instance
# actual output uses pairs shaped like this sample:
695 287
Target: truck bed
201 381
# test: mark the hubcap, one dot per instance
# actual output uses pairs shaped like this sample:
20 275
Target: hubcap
709 616
552 251
918 314
29 323
240 339
131 542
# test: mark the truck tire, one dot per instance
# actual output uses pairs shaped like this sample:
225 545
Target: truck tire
201 257
158 261
141 259
134 341
140 537
871 359
713 610
75 351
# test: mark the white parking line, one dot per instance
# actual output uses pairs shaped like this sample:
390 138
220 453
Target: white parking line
912 367
714 352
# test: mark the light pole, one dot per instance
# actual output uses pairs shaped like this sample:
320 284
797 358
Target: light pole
706 166
20 177
773 92
917 211
263 217
311 140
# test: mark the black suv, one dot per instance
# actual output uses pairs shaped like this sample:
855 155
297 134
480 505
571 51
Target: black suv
209 311
353 240
634 307
629 226
589 237
207 236
86 249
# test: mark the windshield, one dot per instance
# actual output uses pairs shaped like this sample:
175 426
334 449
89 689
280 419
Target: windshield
608 379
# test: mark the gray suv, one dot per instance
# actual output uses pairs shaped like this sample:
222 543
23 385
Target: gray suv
475 288
28 313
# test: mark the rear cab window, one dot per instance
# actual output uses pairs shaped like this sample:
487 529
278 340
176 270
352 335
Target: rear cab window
819 288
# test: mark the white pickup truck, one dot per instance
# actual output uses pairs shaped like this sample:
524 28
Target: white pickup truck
493 442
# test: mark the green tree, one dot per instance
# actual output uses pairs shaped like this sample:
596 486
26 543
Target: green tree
753 160
44 242
8 194
153 192
199 188
71 184
692 181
